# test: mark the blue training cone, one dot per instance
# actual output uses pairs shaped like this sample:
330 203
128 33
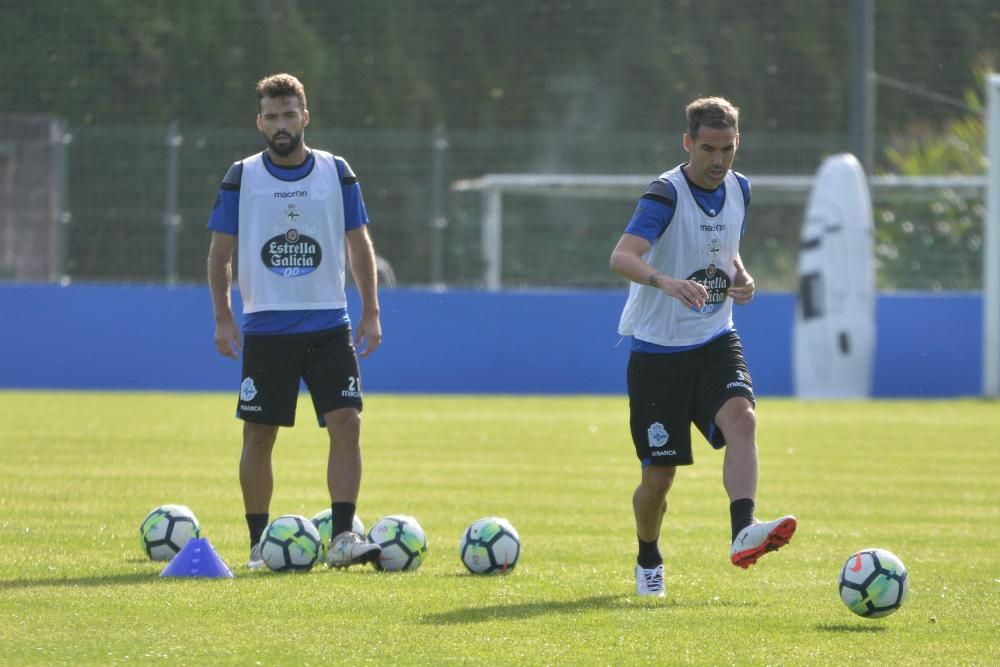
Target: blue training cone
197 558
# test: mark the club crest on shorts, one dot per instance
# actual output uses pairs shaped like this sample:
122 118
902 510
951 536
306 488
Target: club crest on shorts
658 435
247 390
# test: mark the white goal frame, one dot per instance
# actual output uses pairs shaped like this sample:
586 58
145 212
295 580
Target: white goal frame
492 188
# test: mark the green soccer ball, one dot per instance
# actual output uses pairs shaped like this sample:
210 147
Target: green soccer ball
290 543
166 529
490 546
403 542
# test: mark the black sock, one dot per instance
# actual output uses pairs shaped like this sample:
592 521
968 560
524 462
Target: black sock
342 517
649 554
741 514
256 523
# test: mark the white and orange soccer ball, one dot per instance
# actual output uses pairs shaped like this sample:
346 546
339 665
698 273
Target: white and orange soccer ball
873 583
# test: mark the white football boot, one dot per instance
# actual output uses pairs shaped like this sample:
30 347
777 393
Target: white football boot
255 562
758 539
349 548
649 582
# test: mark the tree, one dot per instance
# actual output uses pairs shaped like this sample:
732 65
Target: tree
936 243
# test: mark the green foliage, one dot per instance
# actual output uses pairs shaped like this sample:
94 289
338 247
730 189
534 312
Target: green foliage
80 470
936 242
577 65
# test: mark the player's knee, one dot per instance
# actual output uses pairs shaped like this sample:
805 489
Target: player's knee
658 479
258 437
343 423
740 422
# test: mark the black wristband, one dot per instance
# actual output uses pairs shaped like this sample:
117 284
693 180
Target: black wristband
652 279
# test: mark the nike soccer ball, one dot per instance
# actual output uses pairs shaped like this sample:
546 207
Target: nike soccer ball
490 546
403 542
873 583
290 543
324 524
166 530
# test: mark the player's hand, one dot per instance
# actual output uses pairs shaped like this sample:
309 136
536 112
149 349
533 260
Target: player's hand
227 338
692 294
368 336
743 288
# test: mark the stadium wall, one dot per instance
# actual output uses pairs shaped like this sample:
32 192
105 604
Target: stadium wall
456 341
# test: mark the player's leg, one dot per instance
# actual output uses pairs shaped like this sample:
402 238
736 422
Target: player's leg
257 483
649 501
649 504
343 468
750 539
660 426
268 395
256 474
728 419
334 381
738 423
343 473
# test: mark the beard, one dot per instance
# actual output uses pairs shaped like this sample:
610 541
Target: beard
294 140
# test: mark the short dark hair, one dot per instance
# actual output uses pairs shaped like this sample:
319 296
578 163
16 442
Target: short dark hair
715 112
281 85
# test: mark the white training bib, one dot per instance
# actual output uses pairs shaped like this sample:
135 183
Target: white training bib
291 238
695 246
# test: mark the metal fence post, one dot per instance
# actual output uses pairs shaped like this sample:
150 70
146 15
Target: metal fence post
438 221
171 216
862 113
991 245
492 235
63 138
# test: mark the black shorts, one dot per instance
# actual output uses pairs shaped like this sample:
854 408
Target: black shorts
274 365
669 392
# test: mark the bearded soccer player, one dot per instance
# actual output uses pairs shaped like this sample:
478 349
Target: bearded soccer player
296 218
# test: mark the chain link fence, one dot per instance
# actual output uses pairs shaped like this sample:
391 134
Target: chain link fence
132 204
144 105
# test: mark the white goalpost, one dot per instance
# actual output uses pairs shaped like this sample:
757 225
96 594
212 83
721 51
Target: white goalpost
493 187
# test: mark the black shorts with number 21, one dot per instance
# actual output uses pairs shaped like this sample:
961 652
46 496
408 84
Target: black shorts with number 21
669 392
274 365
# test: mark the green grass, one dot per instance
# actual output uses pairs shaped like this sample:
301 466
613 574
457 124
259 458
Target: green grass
78 471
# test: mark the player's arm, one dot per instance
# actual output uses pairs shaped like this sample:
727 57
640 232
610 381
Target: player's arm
220 281
650 220
361 254
743 288
627 260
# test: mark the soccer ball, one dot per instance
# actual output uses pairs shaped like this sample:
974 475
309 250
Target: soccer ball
873 583
324 524
403 542
489 546
290 543
166 530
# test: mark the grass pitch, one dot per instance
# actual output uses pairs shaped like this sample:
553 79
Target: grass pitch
79 471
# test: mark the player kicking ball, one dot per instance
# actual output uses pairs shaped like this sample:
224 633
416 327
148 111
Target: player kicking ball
681 254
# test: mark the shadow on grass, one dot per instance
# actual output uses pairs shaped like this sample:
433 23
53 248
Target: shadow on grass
844 627
95 580
618 601
128 579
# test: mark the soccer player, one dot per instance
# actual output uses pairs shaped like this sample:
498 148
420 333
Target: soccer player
681 252
297 216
